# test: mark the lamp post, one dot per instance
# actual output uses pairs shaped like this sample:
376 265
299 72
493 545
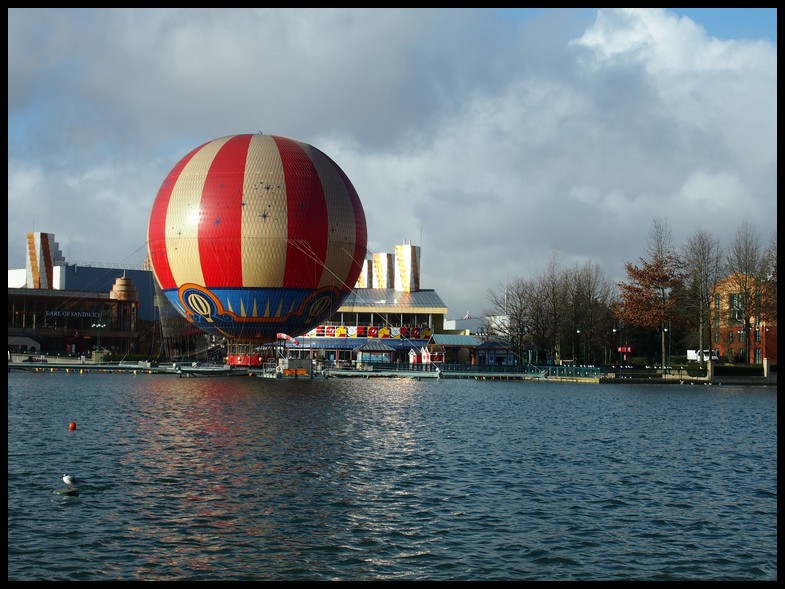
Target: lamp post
578 336
618 349
668 331
98 326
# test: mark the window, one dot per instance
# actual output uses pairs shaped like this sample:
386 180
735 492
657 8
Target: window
736 306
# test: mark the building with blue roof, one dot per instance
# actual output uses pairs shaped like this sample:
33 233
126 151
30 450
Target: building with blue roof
57 308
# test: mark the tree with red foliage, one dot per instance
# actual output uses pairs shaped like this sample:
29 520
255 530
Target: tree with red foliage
645 301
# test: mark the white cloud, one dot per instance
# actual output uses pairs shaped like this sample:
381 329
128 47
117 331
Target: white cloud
488 139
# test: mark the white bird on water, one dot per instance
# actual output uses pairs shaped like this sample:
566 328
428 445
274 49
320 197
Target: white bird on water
68 480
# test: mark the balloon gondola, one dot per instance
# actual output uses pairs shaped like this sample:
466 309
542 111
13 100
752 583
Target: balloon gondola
253 236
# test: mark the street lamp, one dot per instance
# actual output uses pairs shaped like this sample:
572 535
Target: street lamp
668 331
98 327
618 349
578 332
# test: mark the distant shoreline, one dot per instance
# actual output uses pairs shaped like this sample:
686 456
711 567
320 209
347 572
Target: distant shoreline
188 370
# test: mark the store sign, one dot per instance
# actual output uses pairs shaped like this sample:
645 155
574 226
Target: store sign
88 314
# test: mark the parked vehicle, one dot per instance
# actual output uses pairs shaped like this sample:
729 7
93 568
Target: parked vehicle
694 356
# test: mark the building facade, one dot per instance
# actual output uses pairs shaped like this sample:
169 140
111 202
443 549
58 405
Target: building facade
66 309
59 308
737 333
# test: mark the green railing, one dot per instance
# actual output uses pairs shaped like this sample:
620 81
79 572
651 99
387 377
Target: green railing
526 369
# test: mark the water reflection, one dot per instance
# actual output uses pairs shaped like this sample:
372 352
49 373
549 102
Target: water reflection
249 479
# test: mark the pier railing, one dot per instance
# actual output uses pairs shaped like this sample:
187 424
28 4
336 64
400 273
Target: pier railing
480 370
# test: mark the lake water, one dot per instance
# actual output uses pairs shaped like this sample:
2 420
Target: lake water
245 478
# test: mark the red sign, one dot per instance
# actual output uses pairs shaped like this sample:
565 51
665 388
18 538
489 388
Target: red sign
625 349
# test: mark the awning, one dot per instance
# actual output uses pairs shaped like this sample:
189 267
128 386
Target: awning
15 340
374 345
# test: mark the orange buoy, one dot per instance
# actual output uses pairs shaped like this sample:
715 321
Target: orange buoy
72 426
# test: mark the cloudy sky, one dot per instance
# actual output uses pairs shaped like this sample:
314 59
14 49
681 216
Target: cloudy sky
492 138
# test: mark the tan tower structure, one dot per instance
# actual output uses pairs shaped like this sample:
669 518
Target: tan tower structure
399 271
383 271
43 254
365 280
407 268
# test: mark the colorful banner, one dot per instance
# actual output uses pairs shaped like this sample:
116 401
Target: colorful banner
370 331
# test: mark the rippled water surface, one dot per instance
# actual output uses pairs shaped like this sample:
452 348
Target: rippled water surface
380 479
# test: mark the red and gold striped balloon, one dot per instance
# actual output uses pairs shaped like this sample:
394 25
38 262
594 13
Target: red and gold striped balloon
254 235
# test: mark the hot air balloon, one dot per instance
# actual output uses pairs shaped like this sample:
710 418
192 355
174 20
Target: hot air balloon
255 235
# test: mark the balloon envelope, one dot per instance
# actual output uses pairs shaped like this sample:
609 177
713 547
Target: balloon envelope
254 235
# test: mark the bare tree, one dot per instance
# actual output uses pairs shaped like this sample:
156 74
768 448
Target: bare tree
746 269
495 329
517 325
769 298
548 311
591 297
498 300
511 324
575 308
659 242
589 293
552 292
703 263
538 313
